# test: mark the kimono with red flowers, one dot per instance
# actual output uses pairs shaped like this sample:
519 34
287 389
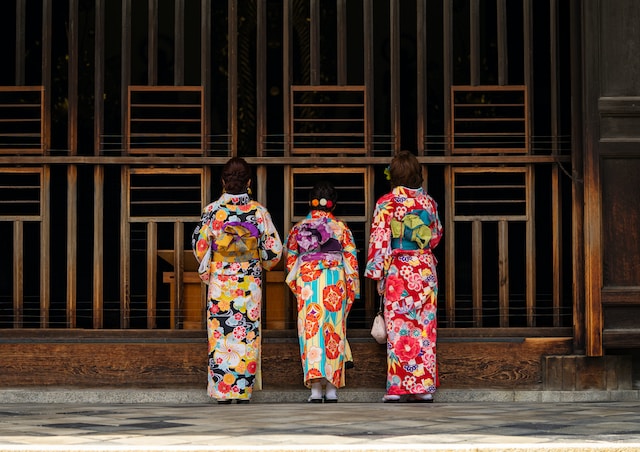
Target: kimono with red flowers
322 266
404 231
233 243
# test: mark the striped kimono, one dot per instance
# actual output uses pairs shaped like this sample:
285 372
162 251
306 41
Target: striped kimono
322 266
404 231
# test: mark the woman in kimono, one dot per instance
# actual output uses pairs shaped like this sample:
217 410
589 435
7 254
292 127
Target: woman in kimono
404 231
233 243
322 266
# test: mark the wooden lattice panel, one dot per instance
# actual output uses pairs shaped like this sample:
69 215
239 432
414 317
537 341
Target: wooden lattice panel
165 120
21 120
489 120
328 120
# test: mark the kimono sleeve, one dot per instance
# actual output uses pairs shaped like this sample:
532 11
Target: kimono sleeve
201 245
270 243
350 259
379 243
292 254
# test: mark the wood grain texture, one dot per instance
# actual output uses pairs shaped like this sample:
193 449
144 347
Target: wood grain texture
499 364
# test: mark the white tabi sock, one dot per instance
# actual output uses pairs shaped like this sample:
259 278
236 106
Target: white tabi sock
331 391
316 390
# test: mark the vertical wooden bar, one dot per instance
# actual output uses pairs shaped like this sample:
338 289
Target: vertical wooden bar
45 241
288 221
178 271
502 36
341 50
314 42
125 250
98 170
503 272
72 170
73 82
421 74
152 43
476 272
367 27
530 249
178 46
233 75
474 42
527 30
577 187
21 20
261 77
72 244
47 70
98 246
98 79
18 273
556 190
205 71
556 243
449 246
286 75
447 69
152 270
591 66
125 68
394 70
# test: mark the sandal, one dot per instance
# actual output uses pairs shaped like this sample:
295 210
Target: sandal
390 398
314 400
420 398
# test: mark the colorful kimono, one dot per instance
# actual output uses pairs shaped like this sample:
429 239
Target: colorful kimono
234 242
404 231
322 270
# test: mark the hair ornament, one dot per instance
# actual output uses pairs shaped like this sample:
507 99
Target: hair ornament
315 202
323 202
329 203
387 172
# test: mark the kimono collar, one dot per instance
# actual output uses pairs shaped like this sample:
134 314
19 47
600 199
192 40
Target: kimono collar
236 199
406 191
320 214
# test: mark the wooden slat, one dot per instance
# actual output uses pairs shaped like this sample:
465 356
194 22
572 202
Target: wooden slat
178 269
421 74
314 42
502 37
45 254
72 245
18 273
205 72
21 20
341 39
394 72
178 46
98 247
503 272
449 246
152 42
125 249
232 81
476 272
261 77
474 42
530 251
152 271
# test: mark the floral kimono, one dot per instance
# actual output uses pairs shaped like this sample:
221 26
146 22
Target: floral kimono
234 242
404 231
322 270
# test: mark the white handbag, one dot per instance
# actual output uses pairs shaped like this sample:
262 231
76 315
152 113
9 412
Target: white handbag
379 327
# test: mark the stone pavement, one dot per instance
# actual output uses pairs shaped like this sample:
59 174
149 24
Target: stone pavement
266 425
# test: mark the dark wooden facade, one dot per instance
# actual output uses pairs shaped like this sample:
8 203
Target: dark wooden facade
116 116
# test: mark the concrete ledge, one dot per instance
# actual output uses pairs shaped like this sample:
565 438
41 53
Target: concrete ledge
199 396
